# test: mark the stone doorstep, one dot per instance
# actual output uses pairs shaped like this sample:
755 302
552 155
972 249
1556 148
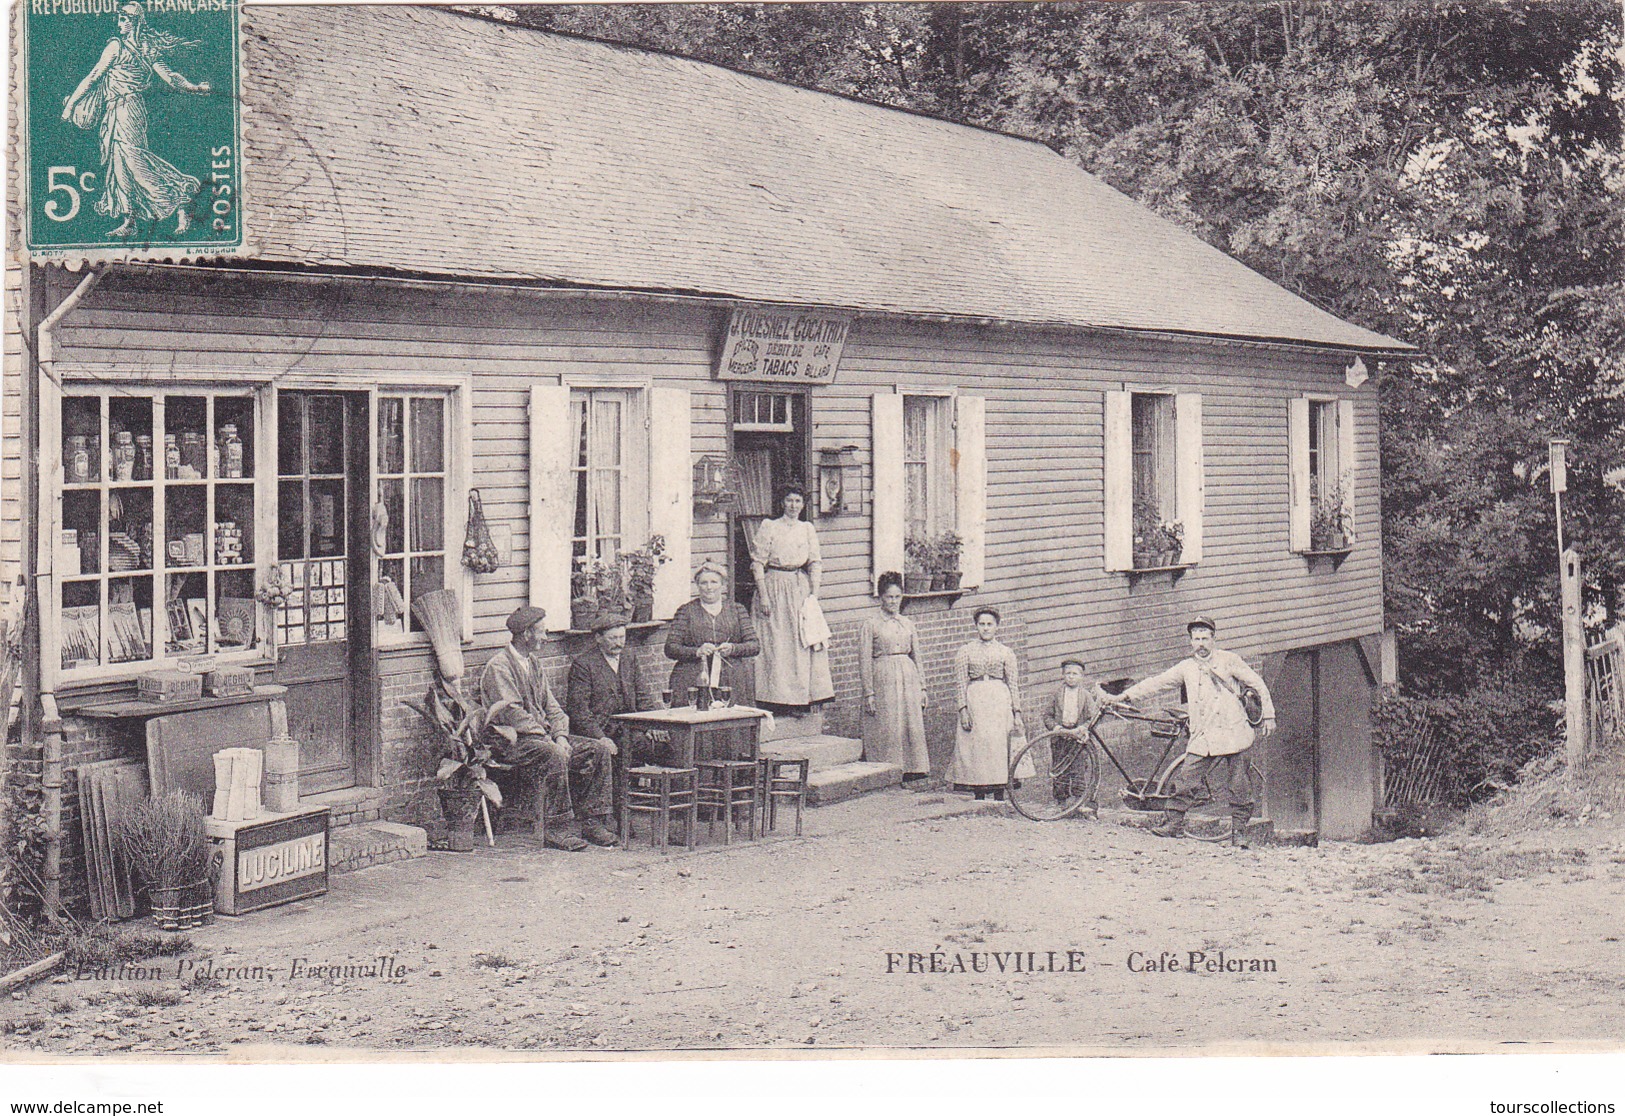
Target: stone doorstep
789 725
360 846
823 750
849 780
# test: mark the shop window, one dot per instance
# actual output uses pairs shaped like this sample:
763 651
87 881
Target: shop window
412 475
154 553
1153 480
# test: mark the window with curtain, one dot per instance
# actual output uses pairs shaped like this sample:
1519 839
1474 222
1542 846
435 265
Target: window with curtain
600 422
927 475
412 484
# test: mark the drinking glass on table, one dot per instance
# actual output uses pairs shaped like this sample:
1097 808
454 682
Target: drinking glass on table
725 696
665 697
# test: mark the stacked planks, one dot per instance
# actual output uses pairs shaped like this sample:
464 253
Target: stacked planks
109 790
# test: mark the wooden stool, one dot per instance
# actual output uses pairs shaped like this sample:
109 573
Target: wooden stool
724 786
663 792
783 777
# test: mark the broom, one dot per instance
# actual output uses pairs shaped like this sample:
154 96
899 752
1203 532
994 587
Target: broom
442 618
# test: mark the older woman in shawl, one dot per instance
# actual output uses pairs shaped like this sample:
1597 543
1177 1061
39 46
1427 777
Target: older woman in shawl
709 629
136 184
785 561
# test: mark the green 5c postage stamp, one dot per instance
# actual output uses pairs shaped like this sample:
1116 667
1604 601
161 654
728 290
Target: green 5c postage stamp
132 135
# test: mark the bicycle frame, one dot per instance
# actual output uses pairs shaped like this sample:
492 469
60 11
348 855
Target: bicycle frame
1173 728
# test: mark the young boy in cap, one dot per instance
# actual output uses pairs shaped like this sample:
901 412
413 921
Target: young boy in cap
1220 734
569 772
1070 708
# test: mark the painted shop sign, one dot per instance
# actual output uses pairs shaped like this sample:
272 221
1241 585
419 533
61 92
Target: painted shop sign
285 860
783 346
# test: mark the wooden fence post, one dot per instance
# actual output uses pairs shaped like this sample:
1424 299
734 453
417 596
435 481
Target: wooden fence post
1574 662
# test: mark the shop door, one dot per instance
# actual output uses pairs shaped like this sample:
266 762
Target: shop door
769 444
323 633
1291 756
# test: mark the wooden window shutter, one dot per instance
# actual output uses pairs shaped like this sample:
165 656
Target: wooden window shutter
1345 460
886 507
1119 480
1298 491
671 494
970 486
552 500
1189 473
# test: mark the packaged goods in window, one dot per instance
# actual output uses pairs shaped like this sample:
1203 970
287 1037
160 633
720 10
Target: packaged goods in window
67 553
123 455
192 551
77 460
126 640
231 451
228 544
228 681
172 456
194 455
81 636
143 457
168 686
234 621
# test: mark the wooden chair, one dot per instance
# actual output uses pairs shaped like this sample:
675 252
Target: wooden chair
726 785
663 792
783 779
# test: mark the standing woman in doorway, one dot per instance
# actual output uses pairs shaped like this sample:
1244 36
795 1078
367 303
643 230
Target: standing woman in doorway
893 692
785 562
989 709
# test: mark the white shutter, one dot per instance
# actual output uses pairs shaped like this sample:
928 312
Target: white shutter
1119 480
1345 460
552 502
1298 491
671 494
887 522
1191 491
970 486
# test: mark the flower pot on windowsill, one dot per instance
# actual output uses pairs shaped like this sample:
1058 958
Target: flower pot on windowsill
946 581
917 582
582 612
643 608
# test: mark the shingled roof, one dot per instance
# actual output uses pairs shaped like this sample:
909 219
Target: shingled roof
427 141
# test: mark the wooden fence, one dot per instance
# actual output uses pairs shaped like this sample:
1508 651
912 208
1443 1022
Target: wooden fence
1605 690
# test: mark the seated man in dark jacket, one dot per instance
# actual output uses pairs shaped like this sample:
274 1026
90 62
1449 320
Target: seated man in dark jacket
603 682
573 773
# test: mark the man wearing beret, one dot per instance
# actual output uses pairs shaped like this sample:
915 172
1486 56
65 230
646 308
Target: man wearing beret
605 681
573 773
1220 733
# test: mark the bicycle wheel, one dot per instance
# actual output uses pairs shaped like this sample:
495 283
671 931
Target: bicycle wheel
1066 772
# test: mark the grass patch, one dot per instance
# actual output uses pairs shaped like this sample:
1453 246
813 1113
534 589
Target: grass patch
97 945
975 932
495 961
1470 872
155 997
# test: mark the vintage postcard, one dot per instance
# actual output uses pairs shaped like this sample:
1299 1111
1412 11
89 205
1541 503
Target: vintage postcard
813 531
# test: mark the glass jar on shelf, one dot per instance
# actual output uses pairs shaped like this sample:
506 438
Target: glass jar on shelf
231 452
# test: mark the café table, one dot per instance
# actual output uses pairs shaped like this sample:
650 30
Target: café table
721 732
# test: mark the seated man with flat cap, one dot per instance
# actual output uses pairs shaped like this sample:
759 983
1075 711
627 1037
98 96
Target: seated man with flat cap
605 681
573 773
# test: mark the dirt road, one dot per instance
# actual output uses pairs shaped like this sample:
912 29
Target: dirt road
806 944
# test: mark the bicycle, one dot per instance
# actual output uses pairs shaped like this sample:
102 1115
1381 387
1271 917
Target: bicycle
1066 768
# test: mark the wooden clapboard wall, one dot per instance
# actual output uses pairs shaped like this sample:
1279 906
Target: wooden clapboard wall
1043 408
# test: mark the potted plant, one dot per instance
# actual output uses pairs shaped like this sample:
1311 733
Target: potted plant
164 841
921 558
465 728
1158 543
1329 521
640 566
583 594
945 572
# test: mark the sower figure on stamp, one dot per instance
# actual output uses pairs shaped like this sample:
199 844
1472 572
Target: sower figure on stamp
1220 733
573 775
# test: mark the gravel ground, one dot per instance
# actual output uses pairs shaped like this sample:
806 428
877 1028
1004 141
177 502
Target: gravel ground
786 945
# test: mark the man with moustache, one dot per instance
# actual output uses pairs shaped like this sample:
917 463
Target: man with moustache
1220 733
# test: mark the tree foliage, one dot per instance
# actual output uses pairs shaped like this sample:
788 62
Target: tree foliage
1446 172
